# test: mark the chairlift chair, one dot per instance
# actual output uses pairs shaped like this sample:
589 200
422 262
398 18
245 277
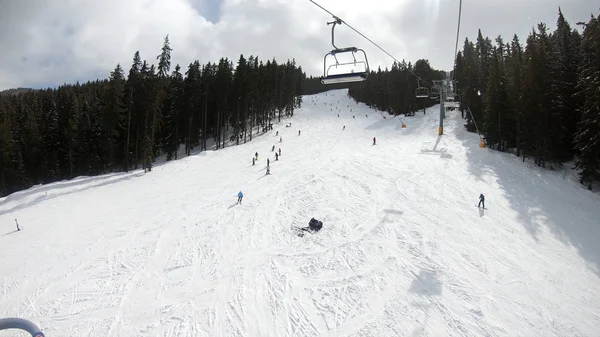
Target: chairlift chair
421 92
451 102
343 77
434 93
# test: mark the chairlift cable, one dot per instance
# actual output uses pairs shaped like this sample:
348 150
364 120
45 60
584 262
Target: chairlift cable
361 34
456 46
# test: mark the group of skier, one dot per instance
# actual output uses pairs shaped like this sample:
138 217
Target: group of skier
278 153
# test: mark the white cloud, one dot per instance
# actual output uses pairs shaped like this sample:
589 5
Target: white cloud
55 41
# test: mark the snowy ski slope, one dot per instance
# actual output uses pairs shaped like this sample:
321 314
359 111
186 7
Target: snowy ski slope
404 250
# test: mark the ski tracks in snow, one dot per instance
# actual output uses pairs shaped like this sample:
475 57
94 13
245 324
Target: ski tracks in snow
402 252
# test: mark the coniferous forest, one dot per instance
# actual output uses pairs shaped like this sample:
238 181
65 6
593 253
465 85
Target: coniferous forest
126 121
394 90
540 100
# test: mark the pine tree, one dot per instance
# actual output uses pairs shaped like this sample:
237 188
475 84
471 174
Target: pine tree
173 105
564 63
113 118
164 59
132 93
587 139
496 102
514 91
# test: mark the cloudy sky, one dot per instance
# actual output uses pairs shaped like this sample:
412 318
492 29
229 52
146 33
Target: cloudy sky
49 42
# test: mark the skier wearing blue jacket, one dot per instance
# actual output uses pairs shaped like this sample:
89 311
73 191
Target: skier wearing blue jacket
240 196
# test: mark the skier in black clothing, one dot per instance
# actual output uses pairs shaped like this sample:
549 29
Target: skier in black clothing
481 200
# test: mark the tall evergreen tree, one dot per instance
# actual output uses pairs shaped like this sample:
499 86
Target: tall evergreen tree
164 59
587 139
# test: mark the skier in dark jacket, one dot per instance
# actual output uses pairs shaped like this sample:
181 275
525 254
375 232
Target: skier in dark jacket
481 200
240 196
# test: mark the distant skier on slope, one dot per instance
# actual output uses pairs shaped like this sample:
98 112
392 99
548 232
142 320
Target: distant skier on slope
253 161
276 156
481 200
344 128
240 197
374 141
256 154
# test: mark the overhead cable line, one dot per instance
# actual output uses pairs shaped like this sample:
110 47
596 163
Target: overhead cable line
456 46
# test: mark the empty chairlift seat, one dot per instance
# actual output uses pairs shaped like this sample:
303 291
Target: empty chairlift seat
354 70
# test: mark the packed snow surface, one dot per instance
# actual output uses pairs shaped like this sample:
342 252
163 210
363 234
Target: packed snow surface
404 249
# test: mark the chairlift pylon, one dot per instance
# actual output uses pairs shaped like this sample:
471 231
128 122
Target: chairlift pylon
343 77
